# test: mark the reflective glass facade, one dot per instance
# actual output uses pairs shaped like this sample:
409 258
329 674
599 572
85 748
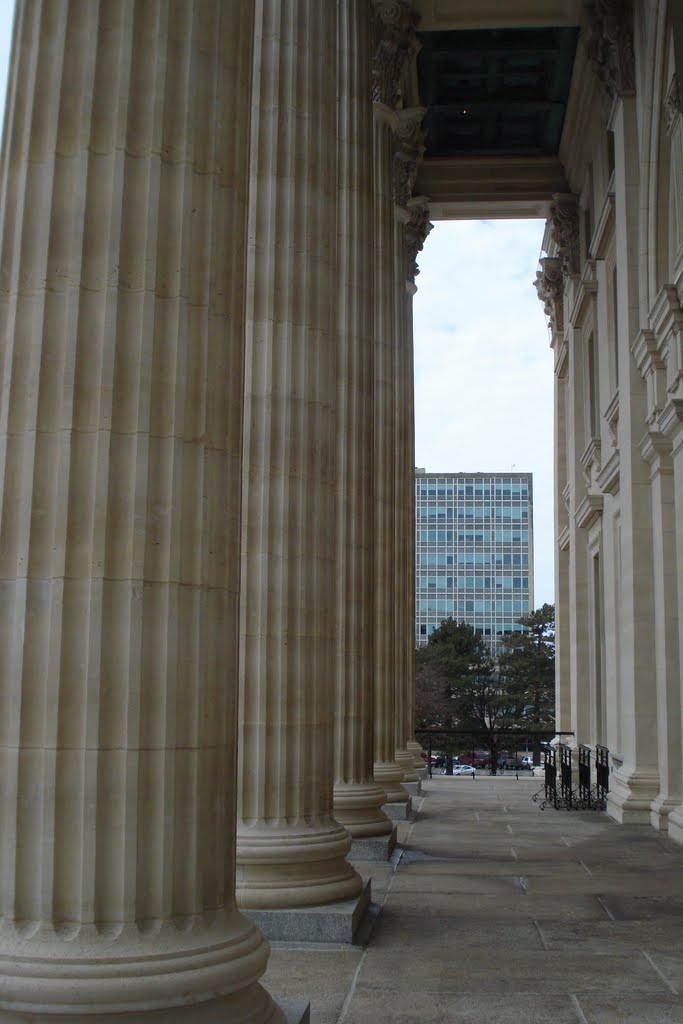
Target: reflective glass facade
474 551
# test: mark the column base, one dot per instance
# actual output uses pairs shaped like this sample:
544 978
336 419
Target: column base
281 868
415 749
632 794
399 811
389 776
334 922
675 825
358 807
404 759
374 848
175 973
413 788
660 811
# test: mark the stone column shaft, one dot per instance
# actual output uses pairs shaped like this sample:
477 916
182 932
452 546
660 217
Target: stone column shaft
357 797
290 850
121 317
387 772
404 580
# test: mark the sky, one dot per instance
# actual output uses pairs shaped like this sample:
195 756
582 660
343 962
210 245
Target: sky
483 365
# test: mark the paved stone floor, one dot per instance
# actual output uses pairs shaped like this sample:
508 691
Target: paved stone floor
500 913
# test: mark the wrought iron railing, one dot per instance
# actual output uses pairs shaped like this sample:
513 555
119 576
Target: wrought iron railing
585 774
550 773
566 788
585 796
601 775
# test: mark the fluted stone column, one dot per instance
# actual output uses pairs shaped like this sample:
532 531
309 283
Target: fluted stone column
357 797
416 230
121 306
393 27
403 581
290 850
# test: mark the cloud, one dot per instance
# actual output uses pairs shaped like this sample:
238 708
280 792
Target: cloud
483 365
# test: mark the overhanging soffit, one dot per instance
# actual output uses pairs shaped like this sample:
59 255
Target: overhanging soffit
496 89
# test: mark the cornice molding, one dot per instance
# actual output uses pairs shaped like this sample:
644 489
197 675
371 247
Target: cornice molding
608 479
589 511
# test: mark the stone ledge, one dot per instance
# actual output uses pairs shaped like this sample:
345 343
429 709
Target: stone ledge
333 922
413 788
377 848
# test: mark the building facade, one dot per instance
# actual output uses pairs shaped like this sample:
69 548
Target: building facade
473 552
210 214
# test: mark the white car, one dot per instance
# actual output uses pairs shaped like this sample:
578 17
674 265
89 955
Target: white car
464 769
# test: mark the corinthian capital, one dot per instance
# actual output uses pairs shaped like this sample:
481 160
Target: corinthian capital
549 285
564 231
415 230
610 45
394 23
408 153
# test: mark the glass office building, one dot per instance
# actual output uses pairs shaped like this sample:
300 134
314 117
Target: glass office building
474 551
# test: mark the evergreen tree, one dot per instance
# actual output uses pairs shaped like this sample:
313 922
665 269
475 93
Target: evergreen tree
527 662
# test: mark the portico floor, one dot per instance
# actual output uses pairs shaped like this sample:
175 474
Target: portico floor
500 913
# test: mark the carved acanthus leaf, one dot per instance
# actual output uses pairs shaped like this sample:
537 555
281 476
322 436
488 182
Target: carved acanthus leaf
395 43
415 231
549 285
610 45
564 231
410 148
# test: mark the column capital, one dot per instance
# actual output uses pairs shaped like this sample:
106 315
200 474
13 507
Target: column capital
549 285
610 46
410 147
564 230
396 41
415 230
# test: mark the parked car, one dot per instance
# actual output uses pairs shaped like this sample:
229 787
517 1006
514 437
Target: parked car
464 769
509 762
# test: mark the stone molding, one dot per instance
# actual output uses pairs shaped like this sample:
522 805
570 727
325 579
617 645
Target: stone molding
655 448
396 41
549 285
610 46
589 511
608 479
584 294
590 461
564 230
653 371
